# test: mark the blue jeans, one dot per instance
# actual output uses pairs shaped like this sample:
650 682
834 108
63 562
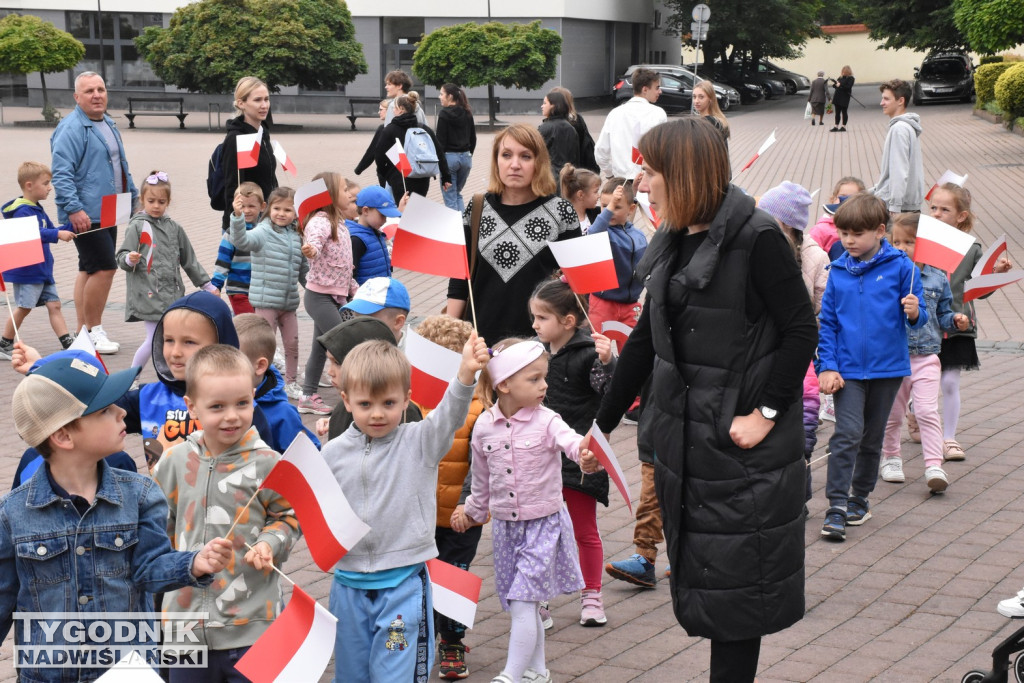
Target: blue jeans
862 409
459 165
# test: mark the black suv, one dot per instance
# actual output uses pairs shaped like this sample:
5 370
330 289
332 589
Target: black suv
944 77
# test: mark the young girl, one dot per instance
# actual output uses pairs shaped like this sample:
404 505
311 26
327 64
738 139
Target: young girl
154 284
923 382
329 283
824 231
951 204
278 267
583 189
705 103
516 446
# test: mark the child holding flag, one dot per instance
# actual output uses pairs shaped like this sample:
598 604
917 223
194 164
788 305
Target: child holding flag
516 446
153 284
232 271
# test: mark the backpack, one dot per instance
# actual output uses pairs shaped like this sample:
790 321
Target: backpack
422 155
215 179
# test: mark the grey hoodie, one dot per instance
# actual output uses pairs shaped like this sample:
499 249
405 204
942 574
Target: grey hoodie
901 181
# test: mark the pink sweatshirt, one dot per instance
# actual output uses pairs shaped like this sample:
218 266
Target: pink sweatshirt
824 232
330 271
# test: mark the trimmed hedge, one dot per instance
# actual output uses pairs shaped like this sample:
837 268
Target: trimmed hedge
1009 91
991 59
985 77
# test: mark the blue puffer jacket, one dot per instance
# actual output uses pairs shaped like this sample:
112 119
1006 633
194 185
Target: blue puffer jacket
376 262
283 418
863 331
628 246
82 170
277 262
939 298
38 272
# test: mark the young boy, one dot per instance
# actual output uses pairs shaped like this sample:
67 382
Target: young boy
210 480
901 177
385 299
370 245
388 472
871 295
233 268
80 536
256 339
34 285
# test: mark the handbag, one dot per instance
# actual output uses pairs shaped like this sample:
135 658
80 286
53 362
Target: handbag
474 245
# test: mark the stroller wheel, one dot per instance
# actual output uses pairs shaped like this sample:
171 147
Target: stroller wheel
973 677
1018 667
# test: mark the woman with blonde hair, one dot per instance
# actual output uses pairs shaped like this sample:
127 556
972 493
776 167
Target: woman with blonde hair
841 98
252 102
705 103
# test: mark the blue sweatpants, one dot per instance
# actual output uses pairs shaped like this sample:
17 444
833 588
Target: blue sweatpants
385 635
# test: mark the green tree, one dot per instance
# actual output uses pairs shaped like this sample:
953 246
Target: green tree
28 44
921 25
210 44
511 55
990 26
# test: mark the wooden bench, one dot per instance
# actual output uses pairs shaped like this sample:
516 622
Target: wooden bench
180 101
363 107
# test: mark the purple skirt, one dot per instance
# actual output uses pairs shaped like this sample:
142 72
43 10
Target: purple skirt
535 560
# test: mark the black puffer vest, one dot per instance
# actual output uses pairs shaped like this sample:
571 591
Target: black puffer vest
732 517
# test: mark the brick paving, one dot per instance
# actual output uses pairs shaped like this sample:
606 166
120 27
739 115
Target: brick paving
910 596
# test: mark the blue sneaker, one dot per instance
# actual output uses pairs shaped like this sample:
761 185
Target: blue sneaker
636 570
834 527
857 511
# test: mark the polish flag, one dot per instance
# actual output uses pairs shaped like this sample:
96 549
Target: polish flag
645 205
328 522
947 177
986 284
455 591
940 245
146 237
764 147
248 148
296 647
20 244
132 668
616 331
600 447
586 262
430 239
987 264
311 196
390 228
83 342
396 155
282 158
433 367
636 157
115 210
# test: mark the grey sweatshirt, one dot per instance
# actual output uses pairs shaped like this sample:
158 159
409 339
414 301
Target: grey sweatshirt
901 181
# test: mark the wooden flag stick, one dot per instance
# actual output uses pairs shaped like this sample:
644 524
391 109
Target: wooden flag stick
472 306
14 322
584 309
274 567
239 515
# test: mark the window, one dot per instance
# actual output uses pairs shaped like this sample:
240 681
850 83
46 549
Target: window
121 62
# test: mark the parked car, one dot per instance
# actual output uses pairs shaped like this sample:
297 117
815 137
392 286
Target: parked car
944 77
770 86
623 89
750 91
793 81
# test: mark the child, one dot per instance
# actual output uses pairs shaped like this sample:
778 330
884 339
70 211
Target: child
257 341
278 267
370 245
77 501
824 231
388 472
385 299
151 286
233 268
34 285
923 382
329 283
628 246
582 187
579 371
535 558
211 480
352 190
872 292
951 204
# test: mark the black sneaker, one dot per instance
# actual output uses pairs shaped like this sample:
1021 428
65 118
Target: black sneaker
631 417
834 527
857 511
66 340
6 348
453 661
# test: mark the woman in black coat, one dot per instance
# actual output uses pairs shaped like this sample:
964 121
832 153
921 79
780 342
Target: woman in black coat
252 100
559 136
726 336
405 118
841 98
586 140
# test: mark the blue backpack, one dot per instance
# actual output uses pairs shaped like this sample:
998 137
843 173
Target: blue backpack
422 155
215 179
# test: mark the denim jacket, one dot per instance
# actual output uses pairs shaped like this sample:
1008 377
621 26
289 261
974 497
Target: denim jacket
107 560
939 299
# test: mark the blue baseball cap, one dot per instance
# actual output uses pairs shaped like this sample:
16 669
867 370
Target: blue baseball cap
376 197
830 209
378 293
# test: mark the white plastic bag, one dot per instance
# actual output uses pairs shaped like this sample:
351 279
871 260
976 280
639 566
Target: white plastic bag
808 112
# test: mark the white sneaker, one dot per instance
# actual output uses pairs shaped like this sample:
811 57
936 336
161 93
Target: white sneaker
828 408
293 391
279 361
534 676
891 470
936 479
103 343
1012 607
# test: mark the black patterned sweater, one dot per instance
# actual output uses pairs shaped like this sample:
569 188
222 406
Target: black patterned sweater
513 257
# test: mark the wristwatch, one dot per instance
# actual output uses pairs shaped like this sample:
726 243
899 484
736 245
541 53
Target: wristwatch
768 413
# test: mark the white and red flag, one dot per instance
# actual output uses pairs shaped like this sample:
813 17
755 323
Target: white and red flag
431 239
83 342
282 158
586 262
600 447
634 155
986 265
296 647
947 177
328 522
986 284
940 245
248 148
115 209
617 331
310 197
456 591
146 237
396 155
761 150
20 244
645 204
390 228
433 367
131 668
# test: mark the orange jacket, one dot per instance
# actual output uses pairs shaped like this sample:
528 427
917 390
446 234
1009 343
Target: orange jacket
455 466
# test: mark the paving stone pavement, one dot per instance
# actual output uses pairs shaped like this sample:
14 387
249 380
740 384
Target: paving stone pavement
910 596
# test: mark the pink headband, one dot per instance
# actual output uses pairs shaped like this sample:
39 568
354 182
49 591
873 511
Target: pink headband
511 359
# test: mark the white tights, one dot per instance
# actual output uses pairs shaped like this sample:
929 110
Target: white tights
526 642
145 352
950 382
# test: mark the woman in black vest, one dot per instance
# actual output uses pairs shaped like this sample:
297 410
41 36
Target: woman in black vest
726 337
252 101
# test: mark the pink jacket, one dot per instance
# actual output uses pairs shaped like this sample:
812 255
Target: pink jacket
824 232
517 470
330 271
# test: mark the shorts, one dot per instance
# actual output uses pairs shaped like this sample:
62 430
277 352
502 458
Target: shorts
96 249
30 295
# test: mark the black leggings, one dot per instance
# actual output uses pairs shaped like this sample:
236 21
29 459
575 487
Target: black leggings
734 661
841 110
